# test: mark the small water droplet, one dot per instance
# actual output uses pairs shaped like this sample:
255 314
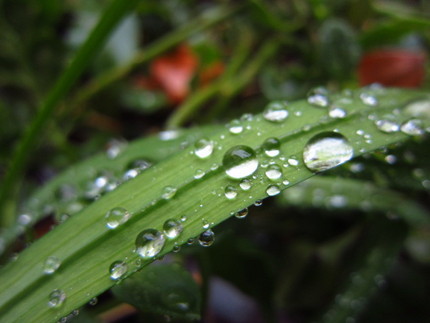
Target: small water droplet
129 174
51 265
168 192
56 298
387 126
24 219
418 108
230 192
240 161
336 112
327 150
276 111
172 228
199 173
241 214
318 97
149 243
114 147
258 203
368 99
235 127
203 148
116 217
412 127
273 190
169 135
271 147
190 241
338 201
118 269
245 184
286 182
207 238
293 162
391 159
273 172
93 301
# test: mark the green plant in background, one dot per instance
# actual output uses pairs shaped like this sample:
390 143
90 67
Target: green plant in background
329 247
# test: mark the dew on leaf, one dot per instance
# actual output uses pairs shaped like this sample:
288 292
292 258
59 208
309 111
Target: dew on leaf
273 172
327 150
293 162
368 99
387 126
56 298
114 147
245 184
230 192
418 108
235 127
412 127
273 190
240 162
116 216
276 111
207 238
318 97
149 243
203 148
199 173
169 135
168 192
172 228
271 147
258 203
51 265
118 269
336 112
241 214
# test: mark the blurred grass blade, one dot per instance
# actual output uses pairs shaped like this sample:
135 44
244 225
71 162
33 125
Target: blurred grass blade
110 18
324 191
190 190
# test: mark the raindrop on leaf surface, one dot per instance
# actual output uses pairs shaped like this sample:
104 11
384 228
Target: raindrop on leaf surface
207 238
327 150
51 265
149 243
240 162
118 269
203 148
276 111
116 216
271 147
172 228
56 298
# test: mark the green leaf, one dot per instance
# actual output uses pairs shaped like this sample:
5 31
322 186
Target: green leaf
166 289
175 189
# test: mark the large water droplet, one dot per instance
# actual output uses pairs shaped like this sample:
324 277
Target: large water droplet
271 147
387 126
116 217
235 127
51 265
327 150
276 111
56 298
412 127
118 269
172 228
168 192
230 192
318 97
240 162
149 243
203 148
273 172
273 190
207 238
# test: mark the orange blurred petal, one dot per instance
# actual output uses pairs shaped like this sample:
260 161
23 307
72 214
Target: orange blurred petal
399 68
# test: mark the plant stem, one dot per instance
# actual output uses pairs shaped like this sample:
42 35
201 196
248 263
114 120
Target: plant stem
113 14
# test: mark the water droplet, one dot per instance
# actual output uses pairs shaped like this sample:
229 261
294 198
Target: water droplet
368 99
51 265
56 298
273 190
235 127
273 172
169 135
168 192
326 150
258 203
199 173
203 148
207 238
276 111
418 108
318 97
245 184
118 269
172 228
286 182
230 192
240 161
336 112
24 219
412 127
129 174
114 147
338 201
293 161
241 214
93 301
387 126
149 243
271 147
391 159
116 217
